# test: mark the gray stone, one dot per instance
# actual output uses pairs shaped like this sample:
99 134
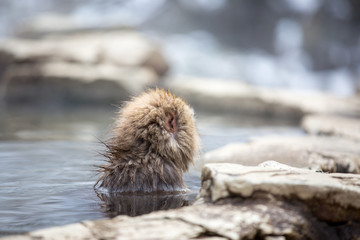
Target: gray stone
331 197
72 231
52 24
292 203
332 125
236 97
227 220
328 154
234 219
152 227
120 228
47 23
122 48
75 82
93 66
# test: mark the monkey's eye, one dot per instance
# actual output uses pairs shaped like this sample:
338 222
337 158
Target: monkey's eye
170 122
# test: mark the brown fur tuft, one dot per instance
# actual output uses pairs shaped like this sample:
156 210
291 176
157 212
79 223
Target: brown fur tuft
155 141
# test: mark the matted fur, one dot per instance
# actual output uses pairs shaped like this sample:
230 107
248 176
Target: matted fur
155 141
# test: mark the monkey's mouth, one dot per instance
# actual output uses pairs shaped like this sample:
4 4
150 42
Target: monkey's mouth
170 122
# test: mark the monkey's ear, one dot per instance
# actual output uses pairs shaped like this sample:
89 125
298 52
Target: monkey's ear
170 122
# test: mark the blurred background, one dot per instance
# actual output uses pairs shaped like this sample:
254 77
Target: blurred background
249 69
297 44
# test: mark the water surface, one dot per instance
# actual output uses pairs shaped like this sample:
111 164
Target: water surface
47 173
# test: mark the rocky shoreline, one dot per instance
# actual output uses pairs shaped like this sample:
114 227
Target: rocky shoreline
328 154
222 96
106 67
270 201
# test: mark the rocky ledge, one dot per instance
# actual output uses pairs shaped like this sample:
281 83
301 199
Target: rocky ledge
332 125
271 201
79 67
328 154
224 96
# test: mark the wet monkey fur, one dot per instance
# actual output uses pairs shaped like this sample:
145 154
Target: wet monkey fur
155 140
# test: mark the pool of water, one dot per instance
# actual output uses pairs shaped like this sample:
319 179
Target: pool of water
47 168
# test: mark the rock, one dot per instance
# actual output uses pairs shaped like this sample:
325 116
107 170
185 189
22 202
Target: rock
328 154
283 192
120 228
52 24
225 96
271 201
122 48
332 125
150 227
47 23
324 193
98 66
72 231
228 220
75 82
248 219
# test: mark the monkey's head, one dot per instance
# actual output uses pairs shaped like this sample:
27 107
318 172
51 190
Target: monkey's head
163 123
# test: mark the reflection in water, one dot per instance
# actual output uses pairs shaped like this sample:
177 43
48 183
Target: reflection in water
135 204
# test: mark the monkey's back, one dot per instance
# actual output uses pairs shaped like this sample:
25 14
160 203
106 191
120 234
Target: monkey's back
155 140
